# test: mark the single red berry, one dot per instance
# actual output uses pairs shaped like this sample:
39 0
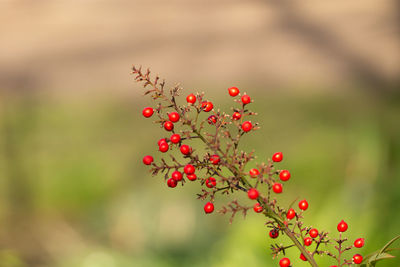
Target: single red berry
215 159
191 177
207 106
162 140
273 233
171 182
313 233
258 208
284 175
236 116
148 112
253 193
191 99
147 160
303 205
185 149
333 266
174 116
177 176
254 173
233 91
247 126
189 169
291 213
359 243
277 157
307 241
211 182
277 188
342 226
284 262
212 119
302 257
209 207
357 259
175 138
246 99
168 125
163 147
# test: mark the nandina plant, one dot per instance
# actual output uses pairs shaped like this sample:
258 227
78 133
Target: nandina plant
222 169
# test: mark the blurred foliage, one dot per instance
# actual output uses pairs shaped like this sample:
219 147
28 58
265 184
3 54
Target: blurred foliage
73 190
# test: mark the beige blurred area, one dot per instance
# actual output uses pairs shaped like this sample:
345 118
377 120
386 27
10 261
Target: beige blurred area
77 45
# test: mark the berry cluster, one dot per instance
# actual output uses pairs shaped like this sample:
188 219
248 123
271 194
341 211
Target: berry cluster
223 168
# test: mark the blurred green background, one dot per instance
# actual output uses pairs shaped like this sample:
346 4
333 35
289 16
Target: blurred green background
73 189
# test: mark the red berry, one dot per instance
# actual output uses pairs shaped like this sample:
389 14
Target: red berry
253 193
174 116
303 205
147 160
277 188
171 182
215 159
342 226
191 99
258 208
175 138
277 157
284 262
209 207
236 116
273 233
246 99
162 140
247 126
233 91
333 266
177 176
254 173
291 213
359 242
307 241
207 106
189 169
163 147
191 177
357 259
284 175
211 182
185 149
212 119
313 233
302 257
169 126
148 112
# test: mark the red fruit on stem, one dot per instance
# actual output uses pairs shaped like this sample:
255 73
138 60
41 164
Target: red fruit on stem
177 176
254 173
273 233
185 149
236 116
258 208
303 205
277 188
291 213
302 257
284 262
211 182
209 207
284 175
191 99
189 169
253 193
191 177
171 182
247 126
168 125
175 138
277 157
147 160
163 147
212 120
357 259
359 242
215 159
246 99
174 116
162 140
307 241
313 233
207 106
148 112
342 226
233 91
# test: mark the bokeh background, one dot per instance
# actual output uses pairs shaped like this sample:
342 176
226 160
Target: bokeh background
73 191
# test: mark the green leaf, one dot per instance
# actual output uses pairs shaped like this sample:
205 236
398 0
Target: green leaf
371 259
